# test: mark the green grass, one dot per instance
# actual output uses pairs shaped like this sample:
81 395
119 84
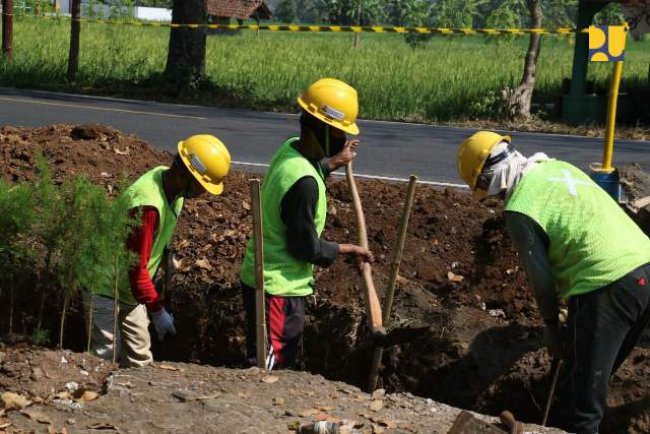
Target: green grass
449 78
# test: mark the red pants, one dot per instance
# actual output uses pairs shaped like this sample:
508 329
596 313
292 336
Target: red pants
285 321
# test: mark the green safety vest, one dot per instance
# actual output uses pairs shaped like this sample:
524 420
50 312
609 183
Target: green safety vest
148 191
284 275
592 242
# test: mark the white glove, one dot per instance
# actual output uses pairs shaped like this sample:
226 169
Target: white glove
164 323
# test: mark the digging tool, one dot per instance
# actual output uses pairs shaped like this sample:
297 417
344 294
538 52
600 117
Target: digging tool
394 271
379 337
373 308
260 308
556 366
508 419
396 336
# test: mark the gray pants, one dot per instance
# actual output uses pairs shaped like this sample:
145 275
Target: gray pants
132 333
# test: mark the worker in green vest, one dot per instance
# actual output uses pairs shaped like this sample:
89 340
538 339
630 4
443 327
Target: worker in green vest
294 208
576 245
156 200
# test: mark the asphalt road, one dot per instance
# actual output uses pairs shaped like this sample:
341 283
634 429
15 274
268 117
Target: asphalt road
388 149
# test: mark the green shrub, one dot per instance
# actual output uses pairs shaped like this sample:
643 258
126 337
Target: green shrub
64 238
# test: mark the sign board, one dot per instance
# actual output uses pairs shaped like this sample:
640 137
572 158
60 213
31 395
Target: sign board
607 43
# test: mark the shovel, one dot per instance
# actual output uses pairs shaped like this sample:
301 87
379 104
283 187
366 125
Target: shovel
379 336
373 308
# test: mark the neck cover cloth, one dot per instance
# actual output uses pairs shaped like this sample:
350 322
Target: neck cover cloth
509 168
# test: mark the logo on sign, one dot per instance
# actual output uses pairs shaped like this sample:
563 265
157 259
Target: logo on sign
607 43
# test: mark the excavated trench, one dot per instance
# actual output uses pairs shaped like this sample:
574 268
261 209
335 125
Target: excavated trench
459 276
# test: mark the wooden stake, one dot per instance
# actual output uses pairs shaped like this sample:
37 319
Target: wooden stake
399 248
75 31
373 308
7 28
260 307
392 281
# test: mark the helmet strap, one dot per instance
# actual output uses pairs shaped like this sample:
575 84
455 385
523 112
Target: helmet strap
327 140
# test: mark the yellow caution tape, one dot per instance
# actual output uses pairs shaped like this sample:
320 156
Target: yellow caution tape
330 29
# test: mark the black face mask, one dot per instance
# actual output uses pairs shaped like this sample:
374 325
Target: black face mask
330 144
192 188
191 191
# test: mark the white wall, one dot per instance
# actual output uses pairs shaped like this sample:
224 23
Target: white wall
63 6
104 11
153 14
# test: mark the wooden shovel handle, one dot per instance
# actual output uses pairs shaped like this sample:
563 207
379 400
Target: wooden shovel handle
373 308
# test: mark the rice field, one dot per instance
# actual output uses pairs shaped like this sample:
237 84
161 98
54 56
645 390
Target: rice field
448 78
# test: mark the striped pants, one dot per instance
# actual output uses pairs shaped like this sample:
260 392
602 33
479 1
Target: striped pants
285 321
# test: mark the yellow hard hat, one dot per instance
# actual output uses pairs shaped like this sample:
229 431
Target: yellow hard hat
208 159
333 102
474 151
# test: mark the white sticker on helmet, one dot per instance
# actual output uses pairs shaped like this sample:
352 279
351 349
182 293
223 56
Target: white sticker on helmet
198 165
332 113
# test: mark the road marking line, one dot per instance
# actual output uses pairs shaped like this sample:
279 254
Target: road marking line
81 106
294 115
376 177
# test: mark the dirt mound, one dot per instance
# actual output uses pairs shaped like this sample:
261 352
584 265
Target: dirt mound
184 398
43 374
91 150
459 274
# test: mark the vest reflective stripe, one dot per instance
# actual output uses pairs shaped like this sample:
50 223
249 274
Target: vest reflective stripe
284 275
148 191
592 242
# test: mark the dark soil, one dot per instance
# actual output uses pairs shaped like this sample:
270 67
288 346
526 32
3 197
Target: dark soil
459 275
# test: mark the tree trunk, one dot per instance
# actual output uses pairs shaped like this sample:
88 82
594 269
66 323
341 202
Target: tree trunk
75 30
66 301
186 55
7 27
357 36
12 297
520 99
89 326
41 286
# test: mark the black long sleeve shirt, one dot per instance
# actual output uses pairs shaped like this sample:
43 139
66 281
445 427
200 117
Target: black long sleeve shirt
531 242
298 209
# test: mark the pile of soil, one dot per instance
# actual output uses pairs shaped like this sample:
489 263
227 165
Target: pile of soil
459 275
189 398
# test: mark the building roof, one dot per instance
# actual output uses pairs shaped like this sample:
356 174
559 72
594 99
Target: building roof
241 9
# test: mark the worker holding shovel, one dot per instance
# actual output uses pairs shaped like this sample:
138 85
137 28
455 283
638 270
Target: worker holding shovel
294 208
156 200
577 244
